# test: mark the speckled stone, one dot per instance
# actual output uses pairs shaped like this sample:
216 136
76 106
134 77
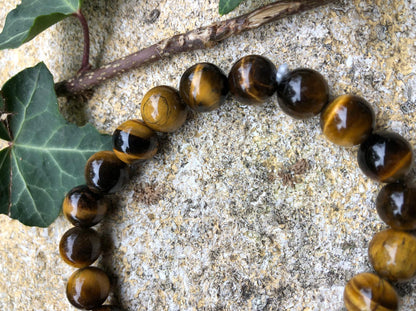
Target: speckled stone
243 208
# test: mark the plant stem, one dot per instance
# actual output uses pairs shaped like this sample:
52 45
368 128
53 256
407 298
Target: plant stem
86 55
201 38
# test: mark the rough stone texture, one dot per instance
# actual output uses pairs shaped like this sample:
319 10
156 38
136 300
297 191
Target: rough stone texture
243 208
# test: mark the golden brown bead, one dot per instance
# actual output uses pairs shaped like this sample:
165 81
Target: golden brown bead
203 87
162 109
133 141
385 156
105 172
302 93
88 288
367 292
252 79
392 254
84 207
396 206
348 120
80 247
107 308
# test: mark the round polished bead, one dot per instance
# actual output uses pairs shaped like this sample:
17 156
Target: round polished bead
385 156
133 141
162 109
252 79
392 254
396 206
88 288
348 120
368 292
203 87
80 247
302 93
105 172
84 207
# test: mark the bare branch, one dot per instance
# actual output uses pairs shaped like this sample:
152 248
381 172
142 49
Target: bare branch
201 38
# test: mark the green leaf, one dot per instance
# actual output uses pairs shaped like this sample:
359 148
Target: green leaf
4 135
48 155
226 6
32 17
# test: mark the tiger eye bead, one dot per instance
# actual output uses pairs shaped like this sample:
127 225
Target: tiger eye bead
385 157
348 120
393 254
396 206
88 288
105 172
368 292
133 141
84 207
252 79
80 247
302 93
162 109
203 87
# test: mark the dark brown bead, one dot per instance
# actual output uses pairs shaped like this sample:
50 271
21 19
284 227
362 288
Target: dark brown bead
385 156
366 291
80 247
203 87
302 93
133 141
252 79
162 109
392 254
88 288
105 172
84 207
348 120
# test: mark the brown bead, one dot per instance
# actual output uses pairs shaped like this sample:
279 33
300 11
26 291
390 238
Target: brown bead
393 254
84 207
203 87
302 93
396 206
133 141
252 79
88 288
80 247
105 172
368 292
163 110
385 157
348 120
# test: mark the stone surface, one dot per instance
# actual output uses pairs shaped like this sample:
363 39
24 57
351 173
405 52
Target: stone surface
243 208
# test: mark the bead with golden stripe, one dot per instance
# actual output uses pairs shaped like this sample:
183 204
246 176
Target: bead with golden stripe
163 110
385 156
203 87
84 207
252 79
392 254
348 120
88 288
302 93
367 291
133 140
80 247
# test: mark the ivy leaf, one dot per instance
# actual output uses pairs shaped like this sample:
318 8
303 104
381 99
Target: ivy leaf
226 6
47 155
32 17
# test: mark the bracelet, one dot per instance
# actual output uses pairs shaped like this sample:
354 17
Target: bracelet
347 120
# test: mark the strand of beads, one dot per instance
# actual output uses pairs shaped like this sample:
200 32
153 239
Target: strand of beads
348 120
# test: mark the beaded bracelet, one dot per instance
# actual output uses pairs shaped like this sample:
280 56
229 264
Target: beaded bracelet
348 120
